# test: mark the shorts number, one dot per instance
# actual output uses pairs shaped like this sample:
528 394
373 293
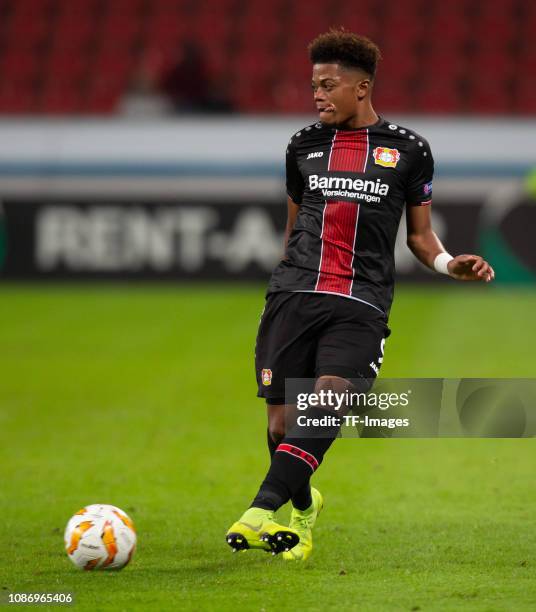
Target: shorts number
382 346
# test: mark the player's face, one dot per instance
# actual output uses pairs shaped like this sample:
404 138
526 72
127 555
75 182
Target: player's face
337 92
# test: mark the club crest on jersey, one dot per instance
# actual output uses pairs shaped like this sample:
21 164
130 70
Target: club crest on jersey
388 158
266 377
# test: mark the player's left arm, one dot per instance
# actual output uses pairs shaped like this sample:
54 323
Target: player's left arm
426 246
421 239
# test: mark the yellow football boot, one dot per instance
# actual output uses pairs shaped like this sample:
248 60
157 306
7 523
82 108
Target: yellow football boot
302 522
256 528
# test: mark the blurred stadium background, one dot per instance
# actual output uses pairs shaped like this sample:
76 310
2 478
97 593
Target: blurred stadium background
82 56
143 140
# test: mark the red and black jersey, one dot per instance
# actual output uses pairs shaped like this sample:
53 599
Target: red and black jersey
351 186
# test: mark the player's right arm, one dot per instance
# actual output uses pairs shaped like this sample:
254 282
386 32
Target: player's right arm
295 186
292 214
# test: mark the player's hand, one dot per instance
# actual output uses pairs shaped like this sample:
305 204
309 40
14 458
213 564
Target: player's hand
470 268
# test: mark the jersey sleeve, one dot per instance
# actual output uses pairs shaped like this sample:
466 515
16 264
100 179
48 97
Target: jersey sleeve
295 182
421 173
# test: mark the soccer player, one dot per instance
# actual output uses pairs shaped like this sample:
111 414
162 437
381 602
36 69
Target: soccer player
349 177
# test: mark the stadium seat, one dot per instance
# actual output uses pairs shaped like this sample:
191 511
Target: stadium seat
448 31
430 49
488 65
438 97
16 98
292 96
123 8
24 32
253 96
67 65
525 98
396 64
160 29
526 63
19 67
103 96
393 95
73 33
217 62
30 8
273 10
113 67
294 63
121 40
60 99
256 61
257 31
490 98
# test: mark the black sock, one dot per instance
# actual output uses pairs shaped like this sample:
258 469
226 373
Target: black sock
302 498
293 463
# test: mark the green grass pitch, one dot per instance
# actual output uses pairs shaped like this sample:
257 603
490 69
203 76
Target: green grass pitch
144 396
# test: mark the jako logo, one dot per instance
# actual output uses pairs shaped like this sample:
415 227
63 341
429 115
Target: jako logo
315 154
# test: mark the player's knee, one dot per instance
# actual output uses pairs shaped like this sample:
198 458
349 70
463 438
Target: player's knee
277 433
334 390
276 426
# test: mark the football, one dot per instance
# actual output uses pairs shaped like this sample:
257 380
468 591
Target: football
100 536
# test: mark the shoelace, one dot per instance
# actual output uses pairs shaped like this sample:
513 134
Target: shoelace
302 520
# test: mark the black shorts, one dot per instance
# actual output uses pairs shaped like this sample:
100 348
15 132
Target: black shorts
307 335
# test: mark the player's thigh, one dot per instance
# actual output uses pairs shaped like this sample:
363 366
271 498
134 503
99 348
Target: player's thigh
352 347
286 344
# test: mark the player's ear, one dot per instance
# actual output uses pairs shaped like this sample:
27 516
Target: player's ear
363 87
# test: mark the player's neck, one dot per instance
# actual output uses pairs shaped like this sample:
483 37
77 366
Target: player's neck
364 117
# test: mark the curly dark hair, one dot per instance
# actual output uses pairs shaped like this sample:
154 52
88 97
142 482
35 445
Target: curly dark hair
345 48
